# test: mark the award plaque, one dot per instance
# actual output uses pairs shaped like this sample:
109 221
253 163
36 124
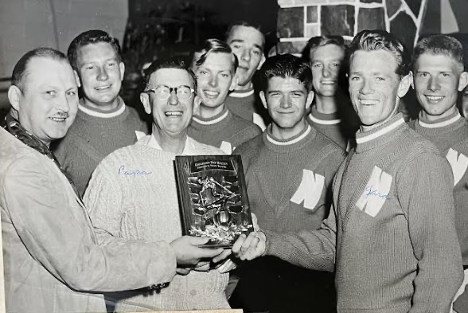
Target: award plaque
213 198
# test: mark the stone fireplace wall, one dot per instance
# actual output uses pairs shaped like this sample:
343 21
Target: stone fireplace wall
298 20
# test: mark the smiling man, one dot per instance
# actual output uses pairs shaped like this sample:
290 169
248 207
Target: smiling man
331 112
289 170
215 125
103 123
438 71
391 235
141 201
52 260
247 43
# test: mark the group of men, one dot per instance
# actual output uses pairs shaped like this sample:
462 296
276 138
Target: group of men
348 221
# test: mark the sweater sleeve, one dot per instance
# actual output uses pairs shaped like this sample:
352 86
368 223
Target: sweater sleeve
310 249
55 230
103 200
425 193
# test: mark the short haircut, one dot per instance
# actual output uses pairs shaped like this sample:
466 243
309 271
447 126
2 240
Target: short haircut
286 65
217 46
169 63
91 37
439 44
20 70
233 26
320 41
375 40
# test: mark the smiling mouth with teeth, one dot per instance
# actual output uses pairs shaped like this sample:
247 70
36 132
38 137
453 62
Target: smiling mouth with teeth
368 102
58 119
434 98
173 113
103 87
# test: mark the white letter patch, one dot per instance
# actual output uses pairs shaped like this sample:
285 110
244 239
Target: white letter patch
376 192
309 190
458 163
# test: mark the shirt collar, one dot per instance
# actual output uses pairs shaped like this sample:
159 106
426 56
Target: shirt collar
290 141
380 131
99 113
189 148
322 118
213 120
241 93
446 121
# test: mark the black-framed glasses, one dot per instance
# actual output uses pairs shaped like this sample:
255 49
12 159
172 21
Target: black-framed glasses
163 92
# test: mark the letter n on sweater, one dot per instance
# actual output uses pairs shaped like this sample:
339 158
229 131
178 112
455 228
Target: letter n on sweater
376 192
458 163
309 190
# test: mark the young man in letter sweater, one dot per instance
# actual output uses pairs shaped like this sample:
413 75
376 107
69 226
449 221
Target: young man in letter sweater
438 77
215 125
331 112
103 122
289 170
390 236
247 43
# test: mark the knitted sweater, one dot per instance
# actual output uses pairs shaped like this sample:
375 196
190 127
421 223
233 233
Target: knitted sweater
93 136
246 104
450 135
288 182
391 236
133 195
334 127
225 130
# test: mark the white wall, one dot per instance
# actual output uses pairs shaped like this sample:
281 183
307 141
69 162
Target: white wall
28 24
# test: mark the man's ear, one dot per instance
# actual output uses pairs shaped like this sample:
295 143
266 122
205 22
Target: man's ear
14 96
234 82
404 85
122 70
196 105
462 81
262 97
262 60
144 98
412 79
77 78
310 98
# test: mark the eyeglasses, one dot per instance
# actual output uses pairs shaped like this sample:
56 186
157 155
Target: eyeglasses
163 92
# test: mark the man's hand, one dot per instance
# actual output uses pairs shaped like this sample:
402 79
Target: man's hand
250 248
189 253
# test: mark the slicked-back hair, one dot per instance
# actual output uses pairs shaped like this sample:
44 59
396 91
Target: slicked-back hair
320 41
286 65
439 44
174 63
246 24
91 37
21 68
375 40
217 46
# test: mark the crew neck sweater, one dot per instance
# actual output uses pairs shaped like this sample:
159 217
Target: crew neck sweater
133 195
391 235
450 135
224 130
246 104
287 180
93 135
334 127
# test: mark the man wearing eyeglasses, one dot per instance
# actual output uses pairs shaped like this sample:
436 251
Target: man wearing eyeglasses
103 122
133 194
